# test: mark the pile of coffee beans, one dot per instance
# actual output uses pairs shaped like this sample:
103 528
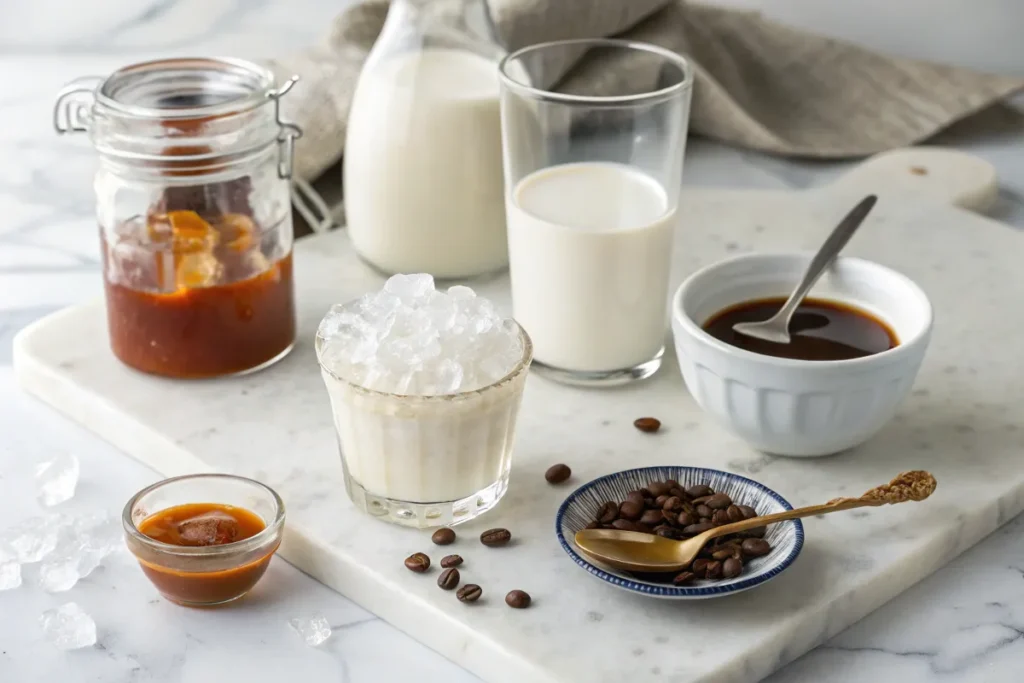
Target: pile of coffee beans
667 509
450 577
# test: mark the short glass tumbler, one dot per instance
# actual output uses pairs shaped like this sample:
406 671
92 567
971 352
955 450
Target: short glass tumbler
427 461
203 576
593 157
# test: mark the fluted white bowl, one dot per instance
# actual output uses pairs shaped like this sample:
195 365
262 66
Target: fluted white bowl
794 407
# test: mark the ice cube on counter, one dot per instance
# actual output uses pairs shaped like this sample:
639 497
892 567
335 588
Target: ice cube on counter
314 629
10 567
34 538
68 627
56 479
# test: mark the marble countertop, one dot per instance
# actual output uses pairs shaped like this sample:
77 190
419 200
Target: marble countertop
964 624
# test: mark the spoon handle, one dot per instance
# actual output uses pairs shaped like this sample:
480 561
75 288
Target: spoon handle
809 511
832 246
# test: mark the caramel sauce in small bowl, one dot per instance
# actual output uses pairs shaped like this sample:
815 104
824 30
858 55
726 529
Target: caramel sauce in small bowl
204 539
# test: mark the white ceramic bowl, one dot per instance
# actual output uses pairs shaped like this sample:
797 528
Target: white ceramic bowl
794 407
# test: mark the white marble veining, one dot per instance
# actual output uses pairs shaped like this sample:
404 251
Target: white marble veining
964 624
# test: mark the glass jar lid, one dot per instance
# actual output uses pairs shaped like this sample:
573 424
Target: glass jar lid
223 103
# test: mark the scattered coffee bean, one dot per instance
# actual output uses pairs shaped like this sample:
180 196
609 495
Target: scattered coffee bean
517 599
647 424
443 536
556 474
653 517
469 593
699 491
755 547
666 509
714 570
684 578
732 568
495 537
449 579
451 561
631 511
417 562
719 501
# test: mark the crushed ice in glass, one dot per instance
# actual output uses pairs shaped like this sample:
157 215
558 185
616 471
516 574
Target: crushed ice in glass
410 338
56 479
313 629
68 627
10 567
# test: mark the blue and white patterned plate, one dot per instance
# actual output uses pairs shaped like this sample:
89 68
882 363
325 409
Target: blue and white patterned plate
580 508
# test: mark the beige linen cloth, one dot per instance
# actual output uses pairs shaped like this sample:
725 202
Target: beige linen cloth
759 84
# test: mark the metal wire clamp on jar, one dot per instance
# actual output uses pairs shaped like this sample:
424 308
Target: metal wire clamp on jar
192 200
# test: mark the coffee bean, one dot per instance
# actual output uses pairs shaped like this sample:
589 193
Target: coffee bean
631 511
722 554
449 579
469 593
699 491
495 537
624 525
443 536
669 532
700 568
755 547
732 568
748 512
653 517
647 424
701 500
684 578
644 528
720 517
417 562
593 525
673 504
719 501
636 497
672 484
704 520
556 474
451 561
686 519
658 488
609 512
660 500
704 511
756 532
678 492
646 493
714 570
734 513
695 529
517 599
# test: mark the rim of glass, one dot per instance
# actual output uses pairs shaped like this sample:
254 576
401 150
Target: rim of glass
517 369
251 543
599 100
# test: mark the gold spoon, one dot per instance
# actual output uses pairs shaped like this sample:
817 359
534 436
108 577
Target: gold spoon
639 552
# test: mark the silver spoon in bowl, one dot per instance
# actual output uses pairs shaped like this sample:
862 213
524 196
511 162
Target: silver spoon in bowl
776 328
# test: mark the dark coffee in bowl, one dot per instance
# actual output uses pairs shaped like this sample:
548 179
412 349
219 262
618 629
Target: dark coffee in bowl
819 330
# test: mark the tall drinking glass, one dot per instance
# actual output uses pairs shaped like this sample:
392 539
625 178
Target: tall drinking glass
592 179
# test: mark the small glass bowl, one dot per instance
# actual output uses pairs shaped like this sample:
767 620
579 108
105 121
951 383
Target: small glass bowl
199 576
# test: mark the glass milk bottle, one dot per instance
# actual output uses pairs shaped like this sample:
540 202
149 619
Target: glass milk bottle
423 183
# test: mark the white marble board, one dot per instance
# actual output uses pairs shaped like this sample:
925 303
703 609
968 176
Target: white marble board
962 423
